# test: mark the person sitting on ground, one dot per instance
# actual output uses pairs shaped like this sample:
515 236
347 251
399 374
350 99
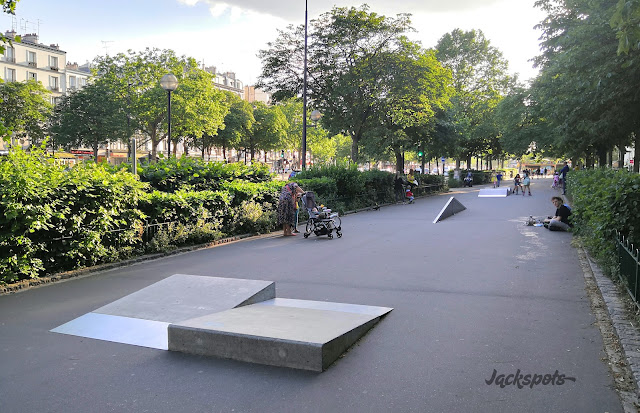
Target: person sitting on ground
409 195
559 222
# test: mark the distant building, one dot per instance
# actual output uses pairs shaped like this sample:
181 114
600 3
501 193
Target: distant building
226 81
47 64
252 94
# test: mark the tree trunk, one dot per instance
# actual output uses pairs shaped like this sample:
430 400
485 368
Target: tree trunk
602 158
399 165
354 149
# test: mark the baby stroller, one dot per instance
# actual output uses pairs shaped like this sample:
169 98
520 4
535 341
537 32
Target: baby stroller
321 220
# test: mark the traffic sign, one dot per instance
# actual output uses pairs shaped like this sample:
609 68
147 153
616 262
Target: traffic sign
443 159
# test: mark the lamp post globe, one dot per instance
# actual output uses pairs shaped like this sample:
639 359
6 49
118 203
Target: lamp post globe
169 83
316 115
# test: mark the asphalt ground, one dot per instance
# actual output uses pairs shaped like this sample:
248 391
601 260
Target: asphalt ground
477 292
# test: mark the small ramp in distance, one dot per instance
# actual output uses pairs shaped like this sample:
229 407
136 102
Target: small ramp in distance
453 206
494 192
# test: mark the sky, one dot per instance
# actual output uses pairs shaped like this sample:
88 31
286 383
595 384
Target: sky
229 34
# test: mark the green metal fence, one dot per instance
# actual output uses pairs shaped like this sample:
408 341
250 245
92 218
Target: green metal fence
628 258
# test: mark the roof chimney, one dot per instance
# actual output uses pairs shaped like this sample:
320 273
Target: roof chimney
30 38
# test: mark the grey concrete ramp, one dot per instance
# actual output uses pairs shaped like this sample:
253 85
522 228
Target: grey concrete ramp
141 318
452 207
181 297
308 335
494 192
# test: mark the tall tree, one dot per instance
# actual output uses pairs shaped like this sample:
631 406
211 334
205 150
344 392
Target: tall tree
587 91
25 110
136 75
480 80
91 116
237 124
344 75
268 130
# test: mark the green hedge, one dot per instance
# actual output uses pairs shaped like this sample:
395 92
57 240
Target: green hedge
170 175
605 201
54 218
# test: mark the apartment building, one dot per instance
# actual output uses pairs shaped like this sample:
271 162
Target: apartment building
253 94
226 81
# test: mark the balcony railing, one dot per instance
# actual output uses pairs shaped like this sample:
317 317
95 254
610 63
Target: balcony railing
54 88
32 64
55 68
10 59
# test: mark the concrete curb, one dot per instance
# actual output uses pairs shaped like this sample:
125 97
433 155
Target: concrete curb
38 282
628 335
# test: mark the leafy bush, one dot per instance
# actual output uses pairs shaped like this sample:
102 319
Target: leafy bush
605 201
54 218
171 175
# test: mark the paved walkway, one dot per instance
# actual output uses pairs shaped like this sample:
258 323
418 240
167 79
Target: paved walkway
477 295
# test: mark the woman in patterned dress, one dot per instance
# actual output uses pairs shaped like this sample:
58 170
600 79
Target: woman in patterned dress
287 206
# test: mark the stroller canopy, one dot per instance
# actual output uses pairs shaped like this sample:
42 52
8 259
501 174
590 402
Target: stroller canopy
309 200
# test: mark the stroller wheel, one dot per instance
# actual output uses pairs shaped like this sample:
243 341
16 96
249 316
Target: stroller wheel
339 234
330 236
306 235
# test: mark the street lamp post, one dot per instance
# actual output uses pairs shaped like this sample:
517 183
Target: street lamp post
304 95
169 83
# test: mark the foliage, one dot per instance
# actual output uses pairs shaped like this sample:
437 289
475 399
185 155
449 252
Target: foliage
267 131
55 219
605 201
176 173
346 66
198 109
480 81
25 109
584 102
9 7
237 124
89 117
626 20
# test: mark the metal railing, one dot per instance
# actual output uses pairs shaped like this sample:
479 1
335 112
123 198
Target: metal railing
629 262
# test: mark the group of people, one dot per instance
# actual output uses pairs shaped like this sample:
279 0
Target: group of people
404 191
522 184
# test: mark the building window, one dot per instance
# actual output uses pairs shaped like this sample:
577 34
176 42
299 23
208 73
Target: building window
53 83
53 62
10 75
32 76
72 82
83 82
31 59
10 55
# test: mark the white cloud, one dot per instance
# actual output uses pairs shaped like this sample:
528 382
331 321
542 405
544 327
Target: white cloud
292 9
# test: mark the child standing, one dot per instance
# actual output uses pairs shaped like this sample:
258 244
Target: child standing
494 179
517 184
527 184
